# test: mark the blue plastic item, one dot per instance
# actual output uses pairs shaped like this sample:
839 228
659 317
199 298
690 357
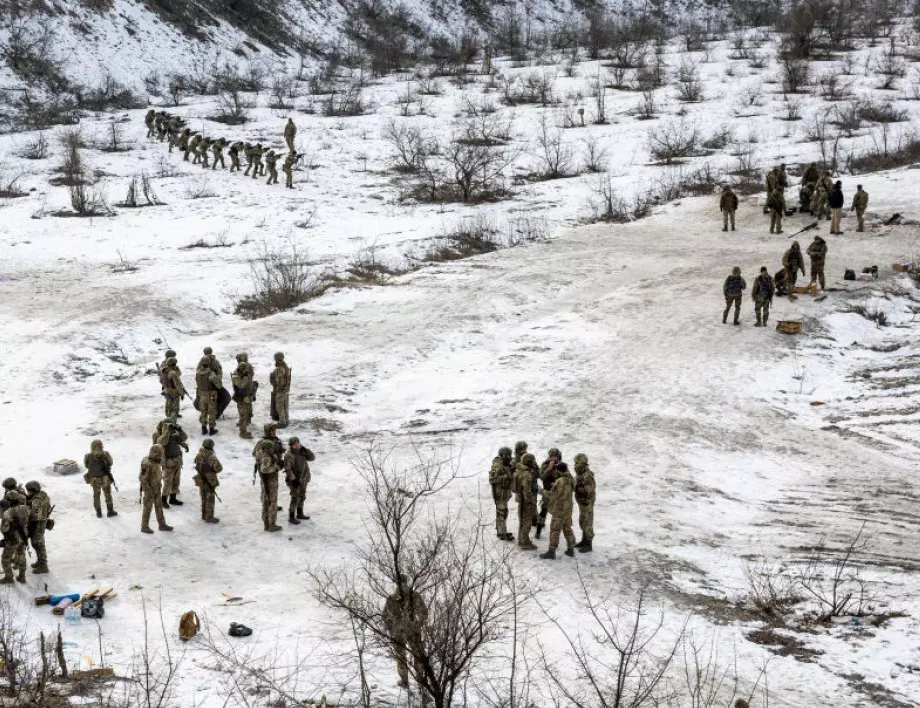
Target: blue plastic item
55 599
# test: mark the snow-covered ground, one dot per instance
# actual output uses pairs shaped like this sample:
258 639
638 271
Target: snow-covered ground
604 340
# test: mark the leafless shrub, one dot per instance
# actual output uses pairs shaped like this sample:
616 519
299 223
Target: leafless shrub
199 187
411 146
177 86
795 74
88 200
283 90
719 139
536 88
832 578
72 169
471 237
890 149
222 240
346 102
36 149
554 153
793 109
140 193
110 94
757 60
673 142
847 116
828 143
233 106
689 84
598 91
832 88
368 268
31 668
474 108
9 182
595 156
606 203
890 67
647 108
115 140
281 279
881 112
772 588
710 682
29 52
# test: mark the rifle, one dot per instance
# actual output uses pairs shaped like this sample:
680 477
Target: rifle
108 473
812 225
206 483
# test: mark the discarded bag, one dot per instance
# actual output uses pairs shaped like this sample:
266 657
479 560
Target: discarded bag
789 326
188 626
849 274
93 608
239 630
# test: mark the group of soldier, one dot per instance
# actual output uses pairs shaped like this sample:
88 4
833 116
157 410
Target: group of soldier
819 195
519 475
25 515
171 128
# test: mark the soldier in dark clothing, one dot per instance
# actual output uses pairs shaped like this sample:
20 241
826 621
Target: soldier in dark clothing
732 289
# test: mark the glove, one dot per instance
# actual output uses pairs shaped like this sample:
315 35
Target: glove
49 524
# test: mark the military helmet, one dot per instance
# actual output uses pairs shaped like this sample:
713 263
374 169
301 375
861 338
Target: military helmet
736 271
208 444
14 497
279 356
562 467
581 460
156 452
169 353
33 487
520 447
9 483
554 452
208 351
270 428
529 460
293 441
95 445
171 361
504 453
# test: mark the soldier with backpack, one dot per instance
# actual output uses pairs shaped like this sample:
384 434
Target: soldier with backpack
762 292
732 288
170 435
39 506
14 524
207 467
98 464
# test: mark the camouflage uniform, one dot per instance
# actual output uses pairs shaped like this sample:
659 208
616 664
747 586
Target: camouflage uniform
207 467
269 454
14 524
520 449
297 477
811 174
208 380
258 169
280 380
149 122
288 168
191 146
173 439
98 464
793 262
404 615
547 477
271 159
585 495
217 150
560 506
771 182
203 148
777 206
244 393
234 153
732 288
173 389
501 478
151 479
525 481
817 252
728 205
762 291
39 510
290 132
860 202
247 153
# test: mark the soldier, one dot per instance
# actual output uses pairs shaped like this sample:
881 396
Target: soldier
269 454
792 263
819 205
192 147
520 449
762 292
547 477
526 473
835 202
244 393
161 125
14 524
149 122
290 132
271 159
173 389
234 153
203 147
560 506
501 478
782 179
585 495
817 252
297 477
217 150
151 479
771 183
860 202
10 484
39 506
173 439
208 380
207 467
258 168
486 67
732 288
288 168
404 615
98 464
728 205
247 153
280 380
161 367
811 174
777 206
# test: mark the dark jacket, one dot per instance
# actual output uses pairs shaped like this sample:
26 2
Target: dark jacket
734 285
835 198
763 288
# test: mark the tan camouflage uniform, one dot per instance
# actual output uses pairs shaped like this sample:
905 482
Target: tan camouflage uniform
860 202
405 615
39 506
244 391
151 479
217 151
280 380
777 210
525 475
208 467
585 496
98 464
501 478
271 160
269 454
297 477
560 507
208 379
288 169
290 132
234 153
173 389
14 524
173 439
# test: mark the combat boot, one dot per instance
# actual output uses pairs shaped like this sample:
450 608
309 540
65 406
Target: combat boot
586 548
165 527
165 501
174 501
212 431
146 529
758 323
539 530
580 543
98 513
39 570
508 537
527 547
246 435
549 555
204 429
273 528
570 551
6 580
111 512
212 520
293 519
301 515
22 575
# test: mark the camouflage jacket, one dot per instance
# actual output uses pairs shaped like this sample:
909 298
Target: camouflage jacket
243 384
405 614
296 469
501 477
269 454
39 506
860 200
173 439
728 201
14 524
151 477
280 378
172 382
208 466
526 484
585 490
98 465
560 496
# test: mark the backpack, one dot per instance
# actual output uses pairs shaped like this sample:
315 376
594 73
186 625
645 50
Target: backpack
849 274
188 625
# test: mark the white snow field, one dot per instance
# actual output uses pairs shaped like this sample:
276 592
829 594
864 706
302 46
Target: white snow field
605 339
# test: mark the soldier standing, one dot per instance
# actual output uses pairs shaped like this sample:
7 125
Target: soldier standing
269 454
728 204
98 464
404 615
151 479
217 151
771 183
835 202
173 389
288 168
182 141
560 506
39 506
149 122
732 288
191 146
14 524
501 478
526 474
234 153
585 495
244 393
208 467
10 484
547 476
860 202
161 367
280 380
777 206
817 252
173 439
792 263
271 159
762 292
208 380
297 477
290 132
247 153
257 168
203 148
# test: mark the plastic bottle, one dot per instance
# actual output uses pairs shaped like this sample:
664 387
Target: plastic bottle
72 615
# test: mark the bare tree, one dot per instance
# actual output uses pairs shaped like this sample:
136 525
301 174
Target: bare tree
555 155
831 577
672 142
281 279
